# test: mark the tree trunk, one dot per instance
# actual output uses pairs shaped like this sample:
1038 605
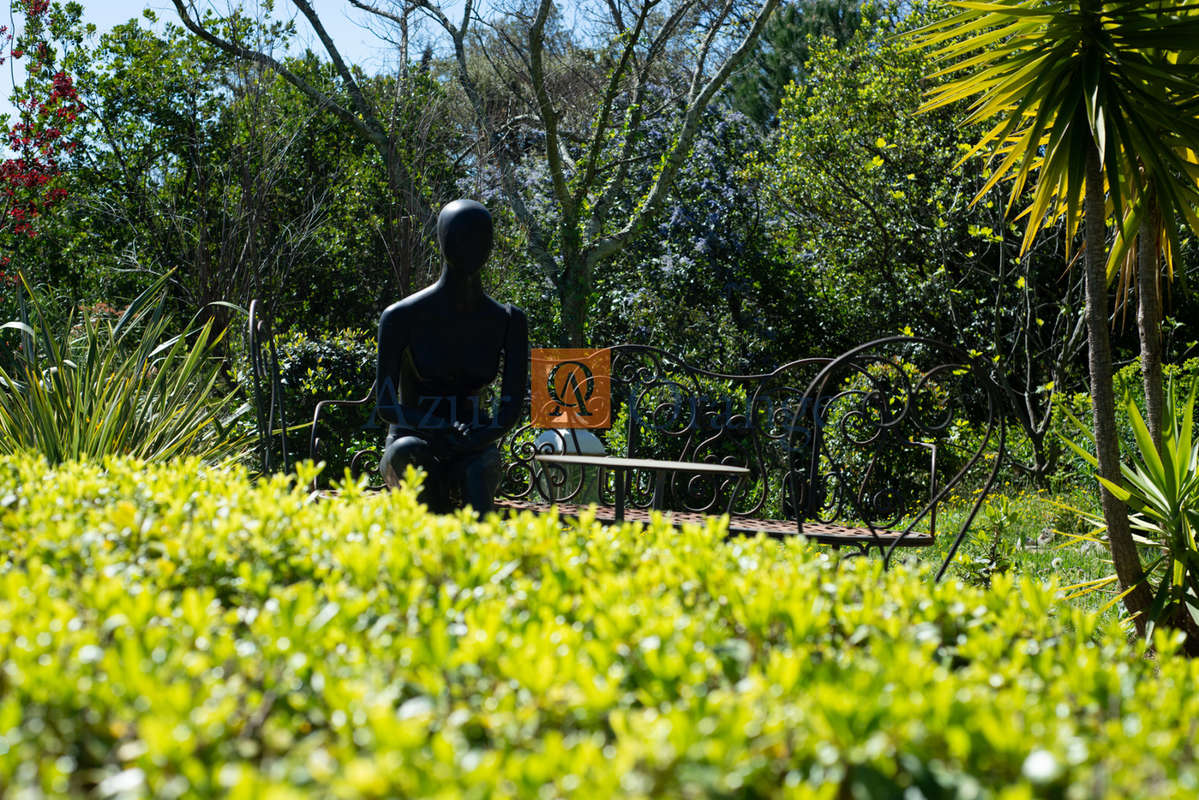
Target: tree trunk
1149 321
574 289
1043 456
397 223
1103 407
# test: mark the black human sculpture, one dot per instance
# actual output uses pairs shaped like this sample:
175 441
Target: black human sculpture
438 348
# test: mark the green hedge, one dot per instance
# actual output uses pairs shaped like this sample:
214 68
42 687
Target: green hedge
173 631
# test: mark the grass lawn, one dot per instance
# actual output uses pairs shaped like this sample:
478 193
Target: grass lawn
1030 533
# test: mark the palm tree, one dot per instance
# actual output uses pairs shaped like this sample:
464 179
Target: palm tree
1089 101
1144 240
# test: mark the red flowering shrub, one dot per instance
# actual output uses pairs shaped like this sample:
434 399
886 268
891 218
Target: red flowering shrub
38 139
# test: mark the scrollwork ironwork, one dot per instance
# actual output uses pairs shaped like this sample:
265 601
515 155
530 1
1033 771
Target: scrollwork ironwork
880 416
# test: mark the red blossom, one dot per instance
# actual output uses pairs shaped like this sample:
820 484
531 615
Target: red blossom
27 179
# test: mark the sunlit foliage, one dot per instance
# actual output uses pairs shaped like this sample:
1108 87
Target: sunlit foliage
179 631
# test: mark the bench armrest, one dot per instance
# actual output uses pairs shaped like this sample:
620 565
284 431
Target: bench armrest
873 401
267 391
314 441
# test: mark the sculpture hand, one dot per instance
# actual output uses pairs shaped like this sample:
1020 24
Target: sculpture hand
467 438
459 440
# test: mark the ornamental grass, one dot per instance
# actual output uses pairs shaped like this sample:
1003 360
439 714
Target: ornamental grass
135 387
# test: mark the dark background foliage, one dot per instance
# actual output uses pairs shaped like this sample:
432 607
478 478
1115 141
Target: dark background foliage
817 209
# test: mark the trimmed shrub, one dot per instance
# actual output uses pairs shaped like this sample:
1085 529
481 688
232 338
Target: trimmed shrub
176 630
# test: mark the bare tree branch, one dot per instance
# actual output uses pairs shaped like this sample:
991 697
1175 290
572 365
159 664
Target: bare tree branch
187 13
537 244
633 118
606 104
549 115
347 77
701 61
682 145
398 19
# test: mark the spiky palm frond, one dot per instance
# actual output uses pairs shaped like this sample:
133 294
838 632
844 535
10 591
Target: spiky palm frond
1053 77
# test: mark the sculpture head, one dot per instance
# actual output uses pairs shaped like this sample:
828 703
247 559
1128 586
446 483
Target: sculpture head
465 234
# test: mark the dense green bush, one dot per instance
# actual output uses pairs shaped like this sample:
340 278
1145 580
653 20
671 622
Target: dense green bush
174 631
339 365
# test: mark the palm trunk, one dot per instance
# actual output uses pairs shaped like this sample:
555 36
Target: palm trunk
1115 514
1149 321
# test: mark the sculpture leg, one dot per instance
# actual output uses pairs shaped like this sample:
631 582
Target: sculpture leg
405 450
480 479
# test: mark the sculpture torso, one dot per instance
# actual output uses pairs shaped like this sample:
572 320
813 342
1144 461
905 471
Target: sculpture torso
446 353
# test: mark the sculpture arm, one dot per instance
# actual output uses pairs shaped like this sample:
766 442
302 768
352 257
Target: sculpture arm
393 340
515 384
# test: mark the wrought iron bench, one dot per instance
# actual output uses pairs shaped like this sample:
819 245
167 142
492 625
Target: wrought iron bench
855 451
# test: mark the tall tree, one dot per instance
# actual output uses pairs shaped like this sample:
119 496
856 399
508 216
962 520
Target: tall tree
385 122
655 68
1145 239
781 57
1078 94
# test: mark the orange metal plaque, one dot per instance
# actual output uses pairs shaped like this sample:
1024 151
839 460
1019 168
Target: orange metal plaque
572 388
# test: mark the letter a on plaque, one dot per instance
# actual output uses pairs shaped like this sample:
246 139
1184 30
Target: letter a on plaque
572 388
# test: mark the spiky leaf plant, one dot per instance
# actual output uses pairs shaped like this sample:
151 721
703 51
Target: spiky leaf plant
1161 488
90 388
